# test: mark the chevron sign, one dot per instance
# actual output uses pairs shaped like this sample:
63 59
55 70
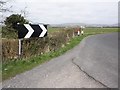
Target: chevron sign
31 30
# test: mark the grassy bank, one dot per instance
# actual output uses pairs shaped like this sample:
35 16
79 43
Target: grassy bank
17 66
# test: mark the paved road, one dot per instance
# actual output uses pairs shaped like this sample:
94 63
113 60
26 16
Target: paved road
91 64
99 58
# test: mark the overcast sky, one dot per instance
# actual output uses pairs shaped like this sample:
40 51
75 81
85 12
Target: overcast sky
68 11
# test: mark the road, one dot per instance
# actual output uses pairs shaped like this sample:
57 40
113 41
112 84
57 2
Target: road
99 58
91 64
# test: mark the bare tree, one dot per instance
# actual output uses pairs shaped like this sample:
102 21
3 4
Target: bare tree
4 9
24 12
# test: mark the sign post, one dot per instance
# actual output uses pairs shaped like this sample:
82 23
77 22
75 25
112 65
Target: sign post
20 47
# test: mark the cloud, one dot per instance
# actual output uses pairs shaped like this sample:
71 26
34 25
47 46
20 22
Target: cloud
69 11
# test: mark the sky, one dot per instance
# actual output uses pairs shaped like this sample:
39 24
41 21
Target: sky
67 11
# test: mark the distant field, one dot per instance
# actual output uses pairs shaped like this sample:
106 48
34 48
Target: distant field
87 30
55 29
100 30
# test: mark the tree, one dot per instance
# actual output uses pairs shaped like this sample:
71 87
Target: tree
9 30
12 20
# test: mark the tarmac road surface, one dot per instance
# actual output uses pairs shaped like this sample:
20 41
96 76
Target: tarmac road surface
99 58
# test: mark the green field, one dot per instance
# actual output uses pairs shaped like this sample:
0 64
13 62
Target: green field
50 29
100 30
88 30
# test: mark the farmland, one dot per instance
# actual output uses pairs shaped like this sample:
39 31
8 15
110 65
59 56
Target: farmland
100 30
